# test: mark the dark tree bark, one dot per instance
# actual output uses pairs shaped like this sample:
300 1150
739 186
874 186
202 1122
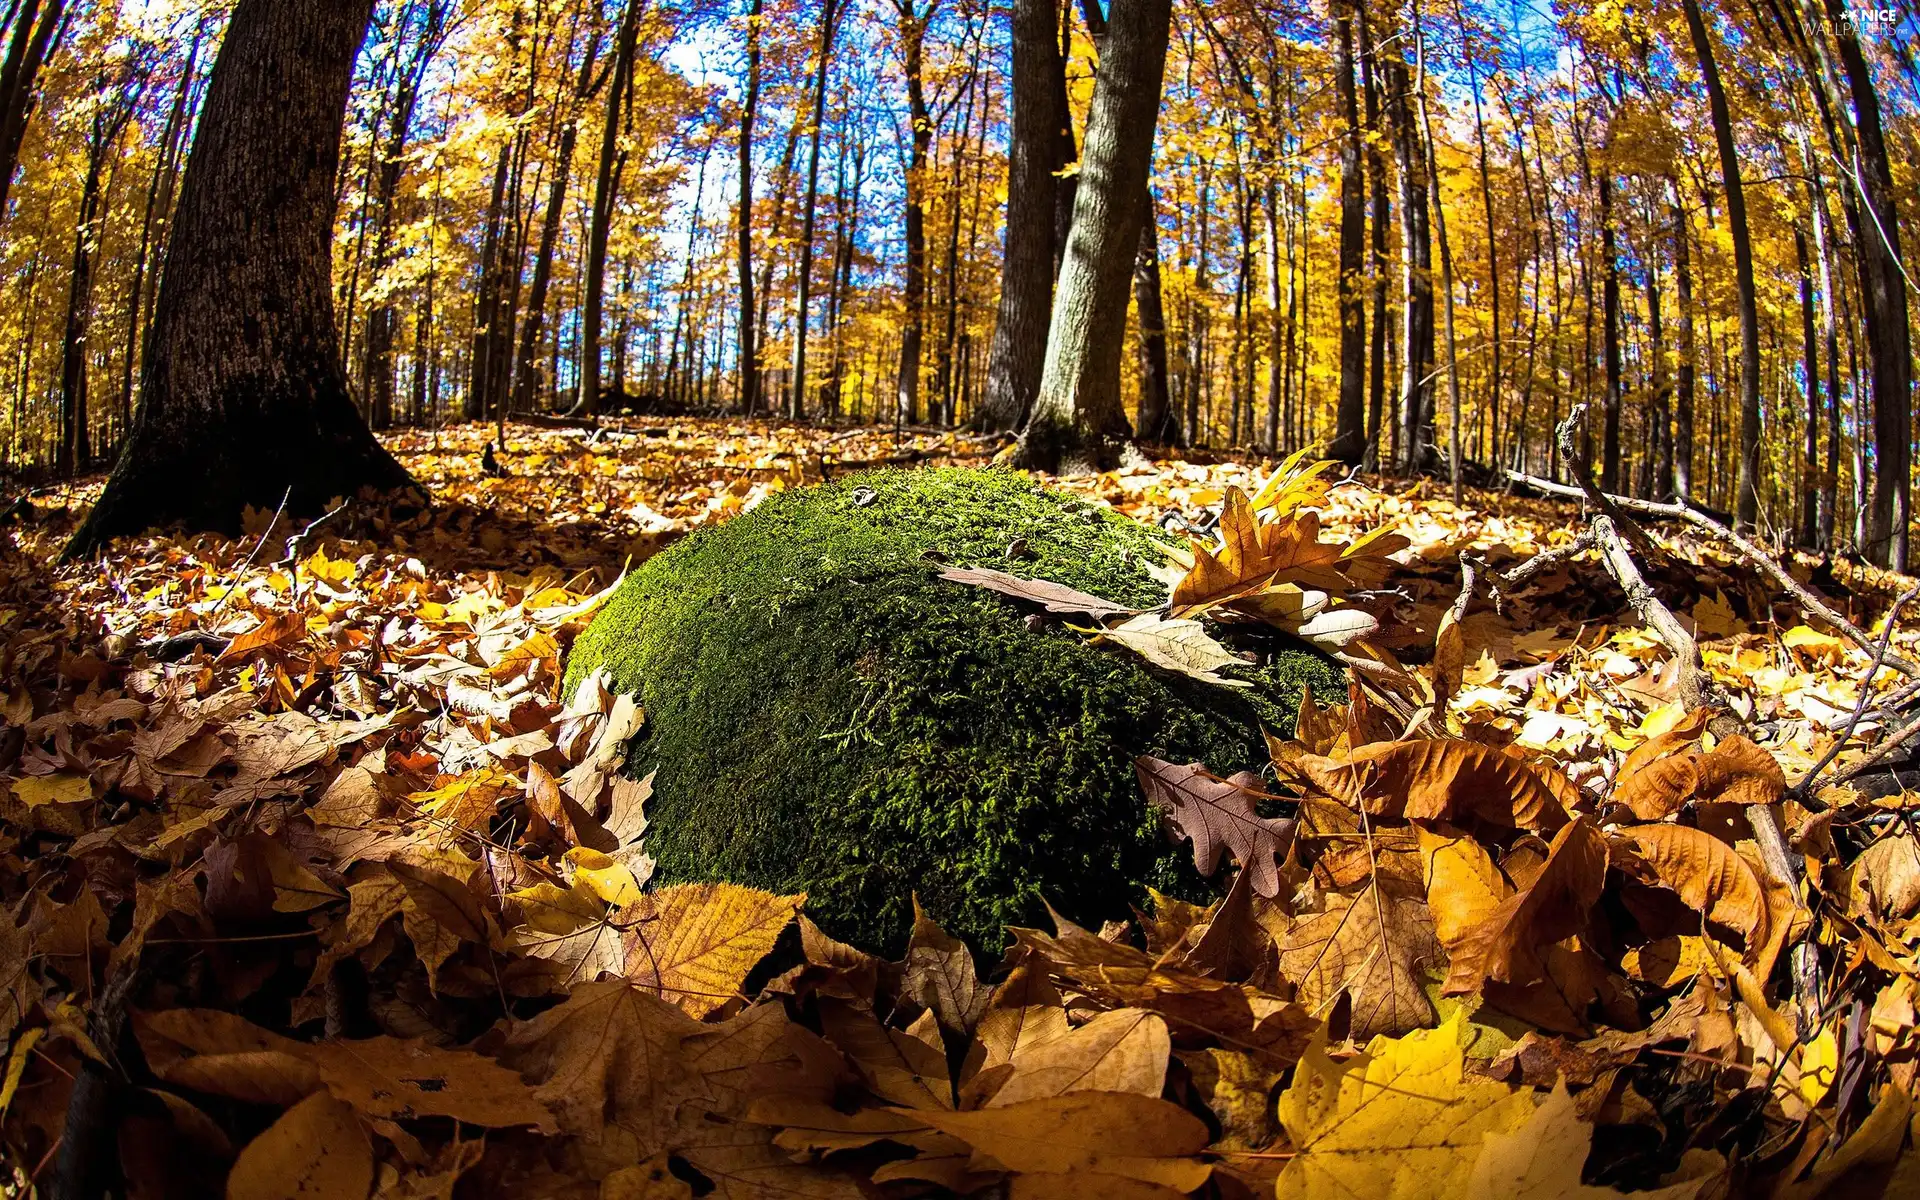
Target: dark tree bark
1810 373
1077 416
245 398
749 358
1746 503
1382 212
489 299
1026 276
76 439
1610 337
1349 427
36 32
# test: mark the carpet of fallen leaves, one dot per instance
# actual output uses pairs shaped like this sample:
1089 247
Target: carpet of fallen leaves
311 883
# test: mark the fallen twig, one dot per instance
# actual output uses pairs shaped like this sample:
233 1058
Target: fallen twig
1805 786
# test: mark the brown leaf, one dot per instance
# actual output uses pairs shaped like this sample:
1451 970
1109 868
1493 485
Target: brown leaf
1444 780
940 975
1734 772
1884 882
904 1067
694 944
317 1150
1708 874
404 1077
1376 948
1218 817
1121 1051
1505 946
1106 1133
1054 597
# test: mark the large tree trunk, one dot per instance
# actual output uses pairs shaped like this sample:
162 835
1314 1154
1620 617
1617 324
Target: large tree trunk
1349 443
36 32
749 358
829 24
1746 501
1026 275
245 398
1077 416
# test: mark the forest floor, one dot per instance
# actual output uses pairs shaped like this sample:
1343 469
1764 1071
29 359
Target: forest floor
307 868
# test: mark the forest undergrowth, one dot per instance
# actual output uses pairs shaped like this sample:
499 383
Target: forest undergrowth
1601 876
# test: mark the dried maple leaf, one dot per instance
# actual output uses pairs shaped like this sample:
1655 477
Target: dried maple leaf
694 944
1401 1122
317 1148
1542 1160
1120 1051
1218 817
907 1067
1374 947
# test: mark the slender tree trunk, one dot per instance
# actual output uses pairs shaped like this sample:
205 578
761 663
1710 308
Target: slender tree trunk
1830 478
913 38
1349 428
33 42
829 23
1810 489
1382 213
1157 423
1077 417
245 394
606 187
1416 274
76 443
1746 506
1019 344
1610 337
1684 368
749 358
1446 272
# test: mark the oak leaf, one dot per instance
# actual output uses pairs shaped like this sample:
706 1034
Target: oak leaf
1218 817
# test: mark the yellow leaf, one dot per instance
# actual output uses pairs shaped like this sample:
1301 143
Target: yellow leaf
1401 1121
695 943
317 1149
551 909
68 787
1105 1133
604 876
1819 1065
1541 1160
1715 618
17 1065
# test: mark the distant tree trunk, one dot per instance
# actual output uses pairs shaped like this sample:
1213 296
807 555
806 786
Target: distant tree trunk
36 32
76 441
1382 212
488 297
1416 274
1746 505
913 39
749 358
1876 238
829 23
1454 450
847 218
1610 338
1810 375
1683 373
606 186
1026 276
1157 423
245 394
1830 343
159 203
526 378
1077 417
1349 443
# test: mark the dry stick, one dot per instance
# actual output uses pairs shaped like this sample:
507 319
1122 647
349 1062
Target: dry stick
1805 786
1804 596
1894 742
1696 690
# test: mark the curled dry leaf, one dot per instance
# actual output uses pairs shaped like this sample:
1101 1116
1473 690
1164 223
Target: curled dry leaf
1709 875
1442 780
1506 946
1734 772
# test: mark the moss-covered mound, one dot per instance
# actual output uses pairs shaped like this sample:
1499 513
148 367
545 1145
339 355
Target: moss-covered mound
827 715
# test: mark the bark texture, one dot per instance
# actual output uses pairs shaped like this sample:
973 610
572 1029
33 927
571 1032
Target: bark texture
1078 420
245 398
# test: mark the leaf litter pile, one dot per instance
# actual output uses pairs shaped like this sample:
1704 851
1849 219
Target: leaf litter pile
315 884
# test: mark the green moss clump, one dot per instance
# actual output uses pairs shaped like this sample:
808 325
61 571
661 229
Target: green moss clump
827 715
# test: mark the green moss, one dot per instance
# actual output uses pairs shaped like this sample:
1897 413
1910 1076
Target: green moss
829 716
